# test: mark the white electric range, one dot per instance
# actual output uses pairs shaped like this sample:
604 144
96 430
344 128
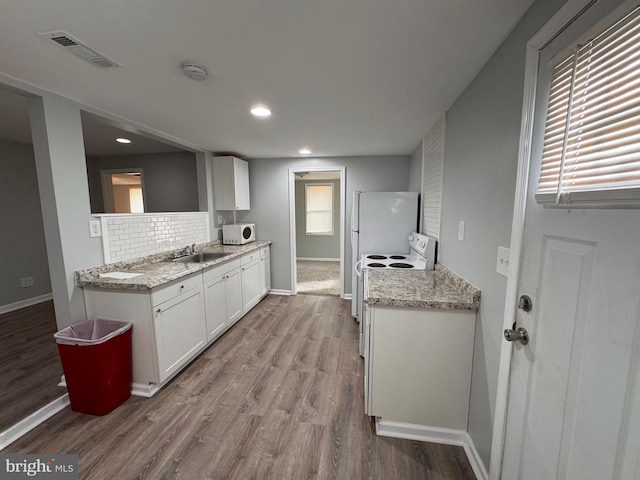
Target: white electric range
421 256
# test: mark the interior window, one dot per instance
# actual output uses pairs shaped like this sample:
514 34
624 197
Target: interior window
592 133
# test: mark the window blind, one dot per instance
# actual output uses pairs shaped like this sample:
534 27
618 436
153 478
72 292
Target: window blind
319 209
591 148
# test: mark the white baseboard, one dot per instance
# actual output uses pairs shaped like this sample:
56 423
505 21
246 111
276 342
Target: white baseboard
147 391
25 303
423 433
137 389
318 259
347 296
446 436
474 459
278 291
32 421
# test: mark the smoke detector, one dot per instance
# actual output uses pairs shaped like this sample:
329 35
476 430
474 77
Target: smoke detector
194 71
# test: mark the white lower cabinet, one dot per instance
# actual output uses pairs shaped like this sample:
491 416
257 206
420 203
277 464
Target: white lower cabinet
223 297
168 325
418 365
251 281
173 323
180 330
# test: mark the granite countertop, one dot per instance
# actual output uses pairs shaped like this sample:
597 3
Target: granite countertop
155 270
441 289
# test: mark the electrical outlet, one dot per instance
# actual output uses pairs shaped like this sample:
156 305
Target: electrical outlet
95 229
26 282
220 220
502 265
461 230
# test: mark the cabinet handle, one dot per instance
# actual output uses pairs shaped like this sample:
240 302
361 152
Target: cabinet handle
159 310
181 287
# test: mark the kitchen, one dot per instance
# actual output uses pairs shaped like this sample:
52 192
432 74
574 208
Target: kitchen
478 189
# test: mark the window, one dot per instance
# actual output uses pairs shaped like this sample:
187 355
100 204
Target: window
592 134
319 209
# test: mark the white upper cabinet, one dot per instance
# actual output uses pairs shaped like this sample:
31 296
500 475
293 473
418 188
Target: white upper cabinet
231 183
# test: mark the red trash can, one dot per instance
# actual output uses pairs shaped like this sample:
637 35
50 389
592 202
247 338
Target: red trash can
96 360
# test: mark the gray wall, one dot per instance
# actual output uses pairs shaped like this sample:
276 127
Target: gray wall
22 245
269 184
170 180
317 246
481 152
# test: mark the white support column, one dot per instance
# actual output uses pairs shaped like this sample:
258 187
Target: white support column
204 168
64 194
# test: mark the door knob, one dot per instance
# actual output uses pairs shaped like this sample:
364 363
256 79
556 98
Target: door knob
519 335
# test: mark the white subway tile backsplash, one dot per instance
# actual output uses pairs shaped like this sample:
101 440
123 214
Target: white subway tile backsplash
129 237
432 158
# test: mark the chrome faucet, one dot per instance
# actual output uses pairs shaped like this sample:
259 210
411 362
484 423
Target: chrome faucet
186 251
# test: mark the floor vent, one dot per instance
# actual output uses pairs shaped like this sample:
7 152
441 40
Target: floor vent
79 49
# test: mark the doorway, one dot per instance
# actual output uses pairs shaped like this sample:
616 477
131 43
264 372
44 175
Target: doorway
123 190
317 204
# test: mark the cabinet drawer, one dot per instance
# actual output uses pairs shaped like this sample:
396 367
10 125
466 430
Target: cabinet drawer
175 288
250 257
220 270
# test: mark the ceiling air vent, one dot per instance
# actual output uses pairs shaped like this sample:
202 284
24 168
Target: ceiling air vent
79 49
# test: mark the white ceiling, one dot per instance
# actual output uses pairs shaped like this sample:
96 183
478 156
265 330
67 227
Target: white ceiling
343 77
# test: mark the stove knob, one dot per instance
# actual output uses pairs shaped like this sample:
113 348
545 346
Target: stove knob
410 238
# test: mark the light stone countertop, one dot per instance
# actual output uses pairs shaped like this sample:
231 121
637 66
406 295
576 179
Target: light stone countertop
156 270
439 289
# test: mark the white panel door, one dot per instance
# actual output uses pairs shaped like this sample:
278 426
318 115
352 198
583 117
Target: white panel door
574 405
215 307
180 330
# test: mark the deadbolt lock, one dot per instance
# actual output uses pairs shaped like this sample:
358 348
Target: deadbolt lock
525 303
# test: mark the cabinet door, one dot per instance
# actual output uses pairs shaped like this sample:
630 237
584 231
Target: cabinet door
180 330
215 307
265 270
241 183
233 295
250 277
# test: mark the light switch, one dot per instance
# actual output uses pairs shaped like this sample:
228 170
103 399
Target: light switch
95 229
502 266
461 230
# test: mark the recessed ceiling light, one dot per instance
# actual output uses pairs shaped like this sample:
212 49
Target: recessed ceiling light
304 151
260 111
123 140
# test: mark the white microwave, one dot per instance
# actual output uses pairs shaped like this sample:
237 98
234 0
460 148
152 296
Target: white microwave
238 233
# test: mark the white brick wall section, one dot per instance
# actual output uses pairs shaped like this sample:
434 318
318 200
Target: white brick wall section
432 161
132 236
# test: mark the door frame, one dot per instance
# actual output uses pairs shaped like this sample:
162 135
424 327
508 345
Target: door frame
106 183
565 16
292 220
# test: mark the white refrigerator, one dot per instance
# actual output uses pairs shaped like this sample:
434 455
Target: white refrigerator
381 222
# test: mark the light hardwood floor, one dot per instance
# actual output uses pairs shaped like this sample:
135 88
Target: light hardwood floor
279 396
30 368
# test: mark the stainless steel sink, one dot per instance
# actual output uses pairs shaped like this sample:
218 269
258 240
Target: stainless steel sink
201 257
